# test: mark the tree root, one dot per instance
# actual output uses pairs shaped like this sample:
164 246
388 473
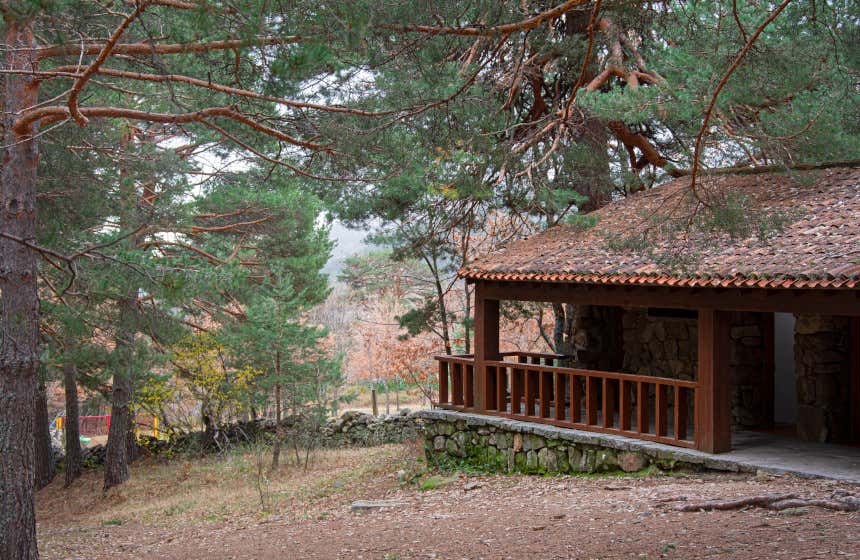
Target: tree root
839 501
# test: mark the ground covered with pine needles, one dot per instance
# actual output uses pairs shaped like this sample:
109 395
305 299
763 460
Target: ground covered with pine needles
232 507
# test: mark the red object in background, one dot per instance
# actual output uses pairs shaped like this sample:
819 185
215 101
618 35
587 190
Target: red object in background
94 425
100 425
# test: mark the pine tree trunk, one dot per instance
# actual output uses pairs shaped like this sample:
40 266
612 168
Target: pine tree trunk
276 448
132 450
43 448
19 302
116 457
74 461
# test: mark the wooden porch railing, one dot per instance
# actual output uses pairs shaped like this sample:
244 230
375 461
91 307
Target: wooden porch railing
532 386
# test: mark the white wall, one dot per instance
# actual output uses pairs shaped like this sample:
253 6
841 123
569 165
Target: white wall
785 391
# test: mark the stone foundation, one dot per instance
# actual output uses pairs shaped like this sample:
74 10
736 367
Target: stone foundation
502 445
822 369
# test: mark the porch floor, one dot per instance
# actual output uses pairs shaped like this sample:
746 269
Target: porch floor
777 453
751 451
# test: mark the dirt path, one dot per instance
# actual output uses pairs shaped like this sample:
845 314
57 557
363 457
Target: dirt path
505 517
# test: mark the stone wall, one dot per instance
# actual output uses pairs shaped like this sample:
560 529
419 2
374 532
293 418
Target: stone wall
752 385
351 429
659 346
597 336
822 369
502 445
668 347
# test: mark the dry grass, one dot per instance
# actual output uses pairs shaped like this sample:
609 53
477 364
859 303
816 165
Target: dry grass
210 509
214 488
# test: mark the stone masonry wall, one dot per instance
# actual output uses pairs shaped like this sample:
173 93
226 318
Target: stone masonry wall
821 356
668 347
659 346
751 397
502 445
352 429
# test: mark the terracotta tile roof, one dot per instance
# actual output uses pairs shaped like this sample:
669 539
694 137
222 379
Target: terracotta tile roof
810 238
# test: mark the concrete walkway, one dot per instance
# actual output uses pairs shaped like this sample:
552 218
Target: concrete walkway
782 454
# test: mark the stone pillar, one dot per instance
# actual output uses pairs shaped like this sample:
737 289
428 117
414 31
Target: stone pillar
659 346
821 357
597 337
751 364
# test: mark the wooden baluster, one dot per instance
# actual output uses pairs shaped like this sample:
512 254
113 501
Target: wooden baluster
591 400
502 389
643 415
531 392
545 391
680 413
517 383
558 384
625 406
575 399
443 382
457 383
662 407
608 403
470 385
549 380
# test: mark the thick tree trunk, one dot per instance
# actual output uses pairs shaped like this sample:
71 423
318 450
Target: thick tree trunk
132 450
74 462
594 179
43 448
19 302
116 457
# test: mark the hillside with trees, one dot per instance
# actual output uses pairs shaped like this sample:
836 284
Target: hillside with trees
171 170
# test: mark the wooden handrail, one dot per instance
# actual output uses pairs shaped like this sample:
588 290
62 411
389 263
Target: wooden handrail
455 359
535 354
596 373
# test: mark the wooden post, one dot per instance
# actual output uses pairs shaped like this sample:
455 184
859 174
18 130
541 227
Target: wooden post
854 349
713 408
373 401
486 344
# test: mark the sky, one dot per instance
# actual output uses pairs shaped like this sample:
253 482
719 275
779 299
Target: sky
347 242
